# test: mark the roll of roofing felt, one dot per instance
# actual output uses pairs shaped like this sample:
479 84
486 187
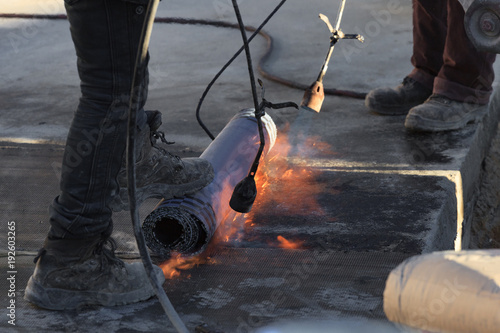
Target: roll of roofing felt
186 225
446 292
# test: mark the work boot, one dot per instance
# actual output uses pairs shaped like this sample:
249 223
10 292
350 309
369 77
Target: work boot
70 274
399 100
160 174
440 113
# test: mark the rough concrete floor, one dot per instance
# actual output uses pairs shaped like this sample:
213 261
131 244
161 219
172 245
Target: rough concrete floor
382 194
486 218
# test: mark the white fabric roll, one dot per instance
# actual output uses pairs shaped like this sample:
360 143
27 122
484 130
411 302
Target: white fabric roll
446 292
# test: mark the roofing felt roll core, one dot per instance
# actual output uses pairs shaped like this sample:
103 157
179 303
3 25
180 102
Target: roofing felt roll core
187 224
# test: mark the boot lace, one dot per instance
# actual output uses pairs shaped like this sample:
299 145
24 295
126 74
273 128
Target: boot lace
408 81
440 99
105 251
40 253
155 135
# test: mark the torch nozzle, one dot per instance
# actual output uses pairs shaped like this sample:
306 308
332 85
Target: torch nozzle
313 97
244 195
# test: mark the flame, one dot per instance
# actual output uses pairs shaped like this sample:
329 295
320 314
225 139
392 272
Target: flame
231 229
290 188
288 244
172 268
282 187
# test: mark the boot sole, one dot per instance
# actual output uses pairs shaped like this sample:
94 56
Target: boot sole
65 299
417 123
389 110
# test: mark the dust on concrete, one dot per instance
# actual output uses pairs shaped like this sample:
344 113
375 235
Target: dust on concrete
212 298
352 300
485 231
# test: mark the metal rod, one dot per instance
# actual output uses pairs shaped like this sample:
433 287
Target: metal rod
339 15
324 67
336 35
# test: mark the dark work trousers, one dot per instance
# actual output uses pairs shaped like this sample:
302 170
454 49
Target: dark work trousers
444 59
105 34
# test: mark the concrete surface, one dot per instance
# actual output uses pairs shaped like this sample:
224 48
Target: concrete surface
485 226
382 194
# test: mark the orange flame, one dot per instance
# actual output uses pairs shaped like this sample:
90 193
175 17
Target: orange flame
282 187
231 229
288 244
172 268
293 188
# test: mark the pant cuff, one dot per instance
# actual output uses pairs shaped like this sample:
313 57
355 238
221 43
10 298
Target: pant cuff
460 93
424 78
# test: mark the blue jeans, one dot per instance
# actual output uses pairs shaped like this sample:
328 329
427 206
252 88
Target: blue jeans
106 35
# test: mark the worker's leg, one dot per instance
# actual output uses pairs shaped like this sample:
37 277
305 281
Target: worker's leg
77 265
462 86
466 74
106 35
429 34
429 38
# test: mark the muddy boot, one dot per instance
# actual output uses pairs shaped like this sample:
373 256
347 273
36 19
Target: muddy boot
70 274
160 174
440 113
398 100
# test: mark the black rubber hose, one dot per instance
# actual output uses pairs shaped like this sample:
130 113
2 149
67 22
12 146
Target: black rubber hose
135 102
260 67
132 113
258 111
226 65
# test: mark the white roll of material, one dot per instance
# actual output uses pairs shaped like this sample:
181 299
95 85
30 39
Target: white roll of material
446 292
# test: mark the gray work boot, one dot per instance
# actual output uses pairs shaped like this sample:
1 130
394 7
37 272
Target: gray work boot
440 113
70 274
160 174
399 100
